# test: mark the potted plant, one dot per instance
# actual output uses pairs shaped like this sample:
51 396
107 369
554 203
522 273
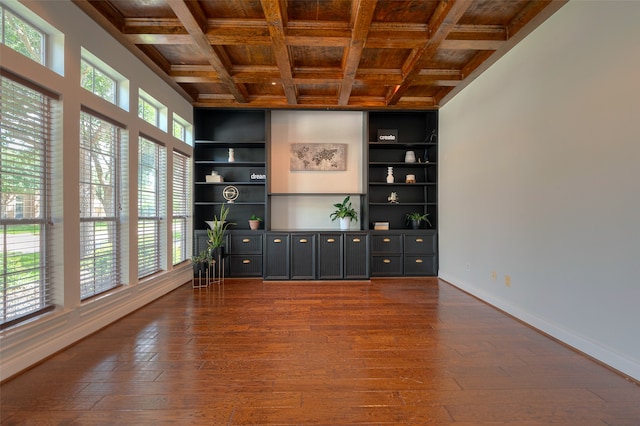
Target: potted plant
254 222
201 263
345 212
414 219
216 232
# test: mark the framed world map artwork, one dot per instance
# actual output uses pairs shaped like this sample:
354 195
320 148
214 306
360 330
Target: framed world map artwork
318 157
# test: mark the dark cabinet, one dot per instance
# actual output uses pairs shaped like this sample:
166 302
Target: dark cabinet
303 256
356 256
420 254
386 254
277 256
330 256
245 254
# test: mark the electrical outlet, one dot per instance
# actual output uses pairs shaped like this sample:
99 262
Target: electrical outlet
494 275
507 280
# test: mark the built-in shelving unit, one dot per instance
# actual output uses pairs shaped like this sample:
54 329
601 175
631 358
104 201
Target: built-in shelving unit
246 133
417 132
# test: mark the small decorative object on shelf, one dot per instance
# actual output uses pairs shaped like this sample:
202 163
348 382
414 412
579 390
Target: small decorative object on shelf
254 222
230 193
414 219
393 198
410 157
214 177
381 226
410 179
389 174
232 157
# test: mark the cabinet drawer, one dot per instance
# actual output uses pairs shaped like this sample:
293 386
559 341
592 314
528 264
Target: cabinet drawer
419 244
386 243
246 244
245 266
386 265
420 265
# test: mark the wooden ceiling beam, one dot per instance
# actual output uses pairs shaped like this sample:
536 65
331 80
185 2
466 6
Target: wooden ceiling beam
193 21
275 14
362 13
447 14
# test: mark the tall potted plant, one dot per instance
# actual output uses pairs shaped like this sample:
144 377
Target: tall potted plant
216 232
345 212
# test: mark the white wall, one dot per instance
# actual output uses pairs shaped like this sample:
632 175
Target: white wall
30 342
540 181
308 211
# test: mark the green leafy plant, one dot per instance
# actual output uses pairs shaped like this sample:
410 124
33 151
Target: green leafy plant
254 217
344 210
219 228
418 217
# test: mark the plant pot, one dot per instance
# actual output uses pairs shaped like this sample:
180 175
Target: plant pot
254 224
415 224
345 223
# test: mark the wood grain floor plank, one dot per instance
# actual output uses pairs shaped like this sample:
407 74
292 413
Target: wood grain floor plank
412 351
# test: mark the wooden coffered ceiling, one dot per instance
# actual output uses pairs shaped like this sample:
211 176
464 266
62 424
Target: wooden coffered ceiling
329 54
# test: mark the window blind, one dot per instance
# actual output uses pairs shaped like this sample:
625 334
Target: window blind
181 207
152 172
25 171
100 268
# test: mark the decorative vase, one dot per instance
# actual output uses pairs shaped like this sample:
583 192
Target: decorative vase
231 155
410 157
389 174
345 223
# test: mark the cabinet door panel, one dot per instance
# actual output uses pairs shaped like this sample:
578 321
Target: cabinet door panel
386 266
303 256
245 265
420 243
277 256
330 256
420 265
386 243
356 256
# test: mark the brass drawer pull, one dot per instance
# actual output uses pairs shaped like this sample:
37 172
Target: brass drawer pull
418 260
356 240
387 240
386 261
419 240
277 240
246 240
246 261
331 240
303 240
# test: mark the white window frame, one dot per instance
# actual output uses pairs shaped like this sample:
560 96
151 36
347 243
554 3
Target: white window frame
160 120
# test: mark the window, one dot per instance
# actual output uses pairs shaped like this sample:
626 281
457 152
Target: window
179 131
25 146
22 37
97 82
152 172
99 205
181 207
152 111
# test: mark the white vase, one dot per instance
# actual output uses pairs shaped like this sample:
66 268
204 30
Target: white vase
232 157
345 223
389 174
410 157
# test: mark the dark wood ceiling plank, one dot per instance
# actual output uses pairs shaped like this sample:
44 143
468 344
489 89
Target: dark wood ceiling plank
275 13
193 21
362 13
446 16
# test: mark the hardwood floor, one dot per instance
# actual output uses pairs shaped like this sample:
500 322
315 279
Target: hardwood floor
397 351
